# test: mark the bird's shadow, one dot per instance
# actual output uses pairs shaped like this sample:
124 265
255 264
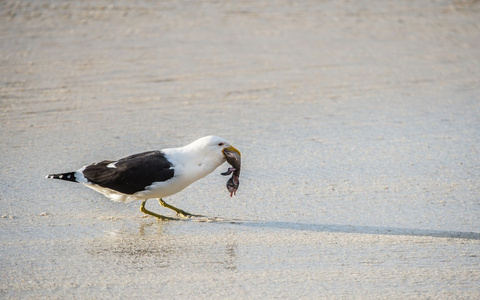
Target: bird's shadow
339 228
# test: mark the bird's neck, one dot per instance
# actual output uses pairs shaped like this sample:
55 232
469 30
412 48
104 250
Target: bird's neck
193 162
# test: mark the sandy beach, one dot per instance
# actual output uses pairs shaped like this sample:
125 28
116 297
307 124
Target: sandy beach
358 123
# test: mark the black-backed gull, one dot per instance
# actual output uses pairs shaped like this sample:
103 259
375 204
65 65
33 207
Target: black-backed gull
155 174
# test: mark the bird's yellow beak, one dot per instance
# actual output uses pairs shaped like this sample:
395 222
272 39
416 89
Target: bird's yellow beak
230 149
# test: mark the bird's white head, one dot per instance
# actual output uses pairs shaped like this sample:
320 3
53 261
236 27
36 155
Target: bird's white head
213 146
202 156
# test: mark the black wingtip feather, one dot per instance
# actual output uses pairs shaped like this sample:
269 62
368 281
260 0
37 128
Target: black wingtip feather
70 176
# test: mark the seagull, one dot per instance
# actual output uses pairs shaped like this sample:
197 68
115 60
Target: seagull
156 174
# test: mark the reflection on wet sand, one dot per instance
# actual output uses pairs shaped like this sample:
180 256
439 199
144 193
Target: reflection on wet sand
152 247
177 245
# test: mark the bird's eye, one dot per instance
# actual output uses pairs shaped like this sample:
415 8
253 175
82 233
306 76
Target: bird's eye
221 144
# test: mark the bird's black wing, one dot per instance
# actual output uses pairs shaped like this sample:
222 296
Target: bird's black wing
132 173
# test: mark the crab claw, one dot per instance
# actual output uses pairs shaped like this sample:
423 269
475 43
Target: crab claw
228 172
234 159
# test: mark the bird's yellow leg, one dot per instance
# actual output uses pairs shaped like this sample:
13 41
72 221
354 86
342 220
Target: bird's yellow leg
177 210
160 217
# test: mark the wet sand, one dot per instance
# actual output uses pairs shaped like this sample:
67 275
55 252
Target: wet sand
359 125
